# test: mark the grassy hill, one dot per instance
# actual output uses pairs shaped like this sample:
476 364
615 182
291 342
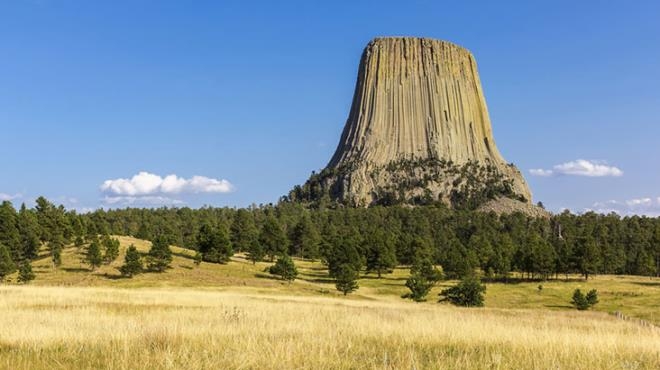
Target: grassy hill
238 316
632 295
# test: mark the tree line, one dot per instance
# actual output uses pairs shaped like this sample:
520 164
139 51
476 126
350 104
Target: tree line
355 240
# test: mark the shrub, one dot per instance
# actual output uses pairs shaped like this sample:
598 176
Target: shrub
579 300
468 293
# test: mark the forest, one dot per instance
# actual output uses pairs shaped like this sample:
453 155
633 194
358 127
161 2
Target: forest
370 240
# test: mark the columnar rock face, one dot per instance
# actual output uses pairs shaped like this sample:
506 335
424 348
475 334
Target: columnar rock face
418 113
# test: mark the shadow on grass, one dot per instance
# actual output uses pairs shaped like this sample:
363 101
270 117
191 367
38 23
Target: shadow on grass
515 281
262 275
559 306
75 269
114 276
649 284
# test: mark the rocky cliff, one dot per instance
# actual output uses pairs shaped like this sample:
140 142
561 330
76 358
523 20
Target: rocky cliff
418 131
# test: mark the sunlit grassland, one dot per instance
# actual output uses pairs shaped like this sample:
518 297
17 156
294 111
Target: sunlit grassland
634 296
238 316
150 328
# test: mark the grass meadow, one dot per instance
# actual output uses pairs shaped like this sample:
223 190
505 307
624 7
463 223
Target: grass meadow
236 316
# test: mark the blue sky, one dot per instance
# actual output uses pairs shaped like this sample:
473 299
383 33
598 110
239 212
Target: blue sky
256 93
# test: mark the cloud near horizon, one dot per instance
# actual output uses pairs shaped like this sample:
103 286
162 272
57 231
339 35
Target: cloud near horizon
4 196
580 167
145 183
152 189
640 206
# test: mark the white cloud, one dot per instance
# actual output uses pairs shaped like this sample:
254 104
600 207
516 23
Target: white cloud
145 183
580 167
4 196
540 172
639 206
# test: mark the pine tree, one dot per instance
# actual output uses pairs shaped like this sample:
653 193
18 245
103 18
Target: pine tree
381 256
423 275
93 256
579 300
29 231
132 262
7 265
273 238
346 279
306 239
243 230
55 246
25 274
255 252
213 244
468 293
592 297
285 268
111 249
160 255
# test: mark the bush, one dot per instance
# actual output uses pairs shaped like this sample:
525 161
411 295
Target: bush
592 297
582 302
468 293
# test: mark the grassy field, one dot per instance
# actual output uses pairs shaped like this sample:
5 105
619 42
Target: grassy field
237 316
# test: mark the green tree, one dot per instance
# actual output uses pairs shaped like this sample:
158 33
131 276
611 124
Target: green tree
468 293
381 254
132 262
9 232
213 243
7 265
55 246
273 238
306 239
255 251
29 230
423 275
592 297
25 274
285 268
159 257
243 230
93 256
111 246
419 287
588 254
346 279
579 300
197 259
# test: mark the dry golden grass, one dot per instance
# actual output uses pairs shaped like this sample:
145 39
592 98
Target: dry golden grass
103 328
236 316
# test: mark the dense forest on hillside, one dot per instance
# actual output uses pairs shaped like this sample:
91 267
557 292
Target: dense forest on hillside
372 240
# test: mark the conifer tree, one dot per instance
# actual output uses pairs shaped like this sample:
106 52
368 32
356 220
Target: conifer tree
25 274
381 256
111 246
285 268
213 244
7 265
346 279
160 255
132 262
273 238
93 256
